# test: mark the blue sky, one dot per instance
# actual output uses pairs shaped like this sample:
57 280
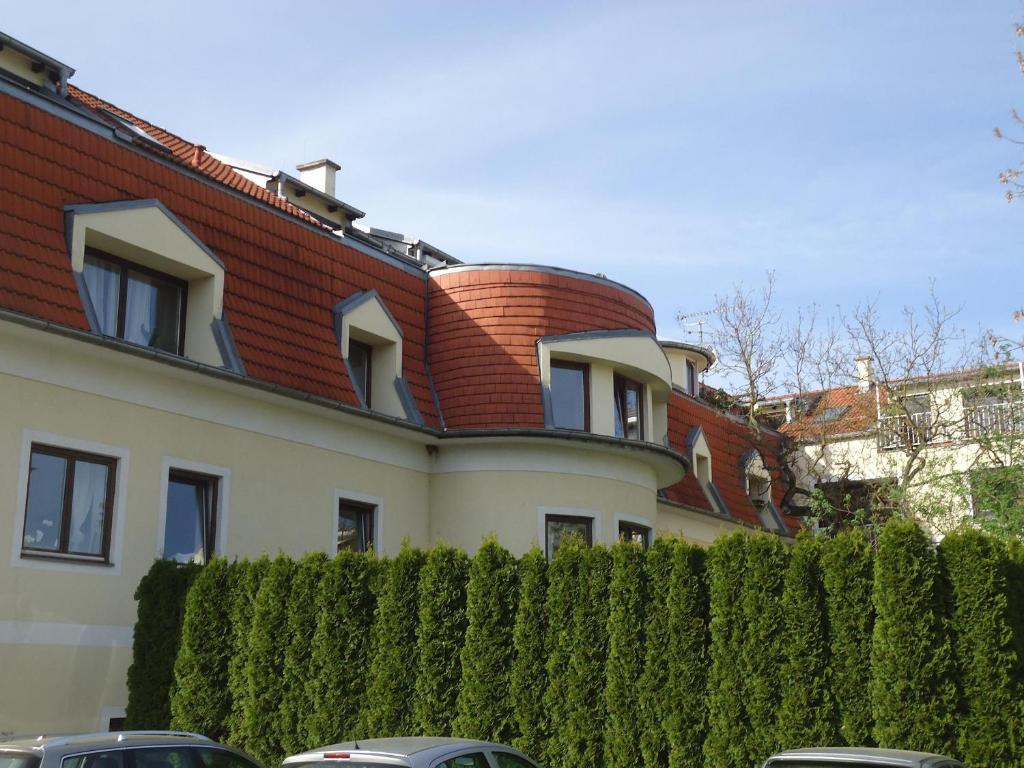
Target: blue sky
678 147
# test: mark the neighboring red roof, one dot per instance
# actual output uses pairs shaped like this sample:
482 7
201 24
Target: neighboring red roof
838 411
730 442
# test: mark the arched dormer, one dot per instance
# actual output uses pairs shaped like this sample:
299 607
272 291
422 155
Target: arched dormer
145 278
370 343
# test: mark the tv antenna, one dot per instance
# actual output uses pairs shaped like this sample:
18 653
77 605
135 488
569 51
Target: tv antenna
693 323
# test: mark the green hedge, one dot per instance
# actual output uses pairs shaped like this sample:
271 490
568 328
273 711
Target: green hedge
157 637
676 658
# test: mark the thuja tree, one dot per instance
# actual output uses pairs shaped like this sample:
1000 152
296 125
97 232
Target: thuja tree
200 700
627 605
763 651
984 647
565 589
298 667
687 711
528 679
655 699
807 712
161 598
442 627
484 705
336 688
913 690
728 727
586 675
388 709
262 727
244 580
848 575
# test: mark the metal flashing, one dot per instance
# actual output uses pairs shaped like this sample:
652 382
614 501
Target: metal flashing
356 387
357 299
709 354
408 402
131 205
87 306
561 271
226 344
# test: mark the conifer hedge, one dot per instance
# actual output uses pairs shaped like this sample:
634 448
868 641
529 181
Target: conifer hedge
566 587
388 709
484 705
807 713
655 699
627 605
848 573
585 702
728 729
528 677
982 631
688 661
161 599
262 728
298 653
913 688
763 654
442 627
200 700
676 658
336 689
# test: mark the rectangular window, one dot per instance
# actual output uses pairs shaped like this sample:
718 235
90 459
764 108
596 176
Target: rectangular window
639 534
190 529
136 304
629 408
557 527
69 504
570 395
355 525
691 378
360 361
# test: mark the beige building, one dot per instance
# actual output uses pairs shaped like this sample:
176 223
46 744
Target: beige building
200 356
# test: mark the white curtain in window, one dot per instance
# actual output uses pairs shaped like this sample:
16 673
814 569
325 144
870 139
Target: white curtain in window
140 310
88 508
102 281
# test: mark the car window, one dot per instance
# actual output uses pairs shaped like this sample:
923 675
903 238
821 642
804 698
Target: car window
508 760
18 760
160 757
474 760
112 759
221 758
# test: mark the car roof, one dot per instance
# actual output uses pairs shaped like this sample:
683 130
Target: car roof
78 742
901 757
425 749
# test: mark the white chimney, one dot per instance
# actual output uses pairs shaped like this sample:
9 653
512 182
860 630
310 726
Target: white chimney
865 374
319 174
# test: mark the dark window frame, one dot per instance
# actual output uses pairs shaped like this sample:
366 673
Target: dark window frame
211 499
367 512
585 368
621 385
627 528
366 349
62 552
691 377
588 539
124 266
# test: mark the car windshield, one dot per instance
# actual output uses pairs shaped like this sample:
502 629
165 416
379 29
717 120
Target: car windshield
18 760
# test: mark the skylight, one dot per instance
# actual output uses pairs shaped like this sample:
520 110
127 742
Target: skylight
832 414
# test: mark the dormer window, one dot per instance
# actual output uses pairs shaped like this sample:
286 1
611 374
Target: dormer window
136 304
629 408
360 361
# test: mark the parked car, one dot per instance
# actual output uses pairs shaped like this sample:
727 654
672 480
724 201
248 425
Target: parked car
411 752
127 749
857 757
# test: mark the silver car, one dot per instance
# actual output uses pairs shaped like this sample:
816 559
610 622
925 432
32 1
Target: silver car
411 752
857 757
127 749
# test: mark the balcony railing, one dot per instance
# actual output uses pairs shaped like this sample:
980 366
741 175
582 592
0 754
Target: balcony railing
993 419
905 430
